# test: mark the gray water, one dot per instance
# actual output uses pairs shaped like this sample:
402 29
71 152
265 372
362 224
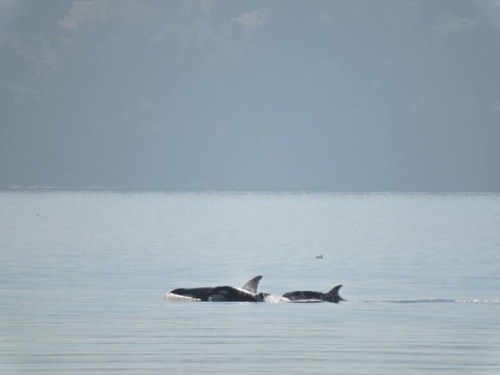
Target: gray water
83 275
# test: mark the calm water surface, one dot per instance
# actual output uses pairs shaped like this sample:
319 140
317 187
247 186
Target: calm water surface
83 275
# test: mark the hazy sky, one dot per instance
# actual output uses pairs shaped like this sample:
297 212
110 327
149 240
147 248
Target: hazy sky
372 95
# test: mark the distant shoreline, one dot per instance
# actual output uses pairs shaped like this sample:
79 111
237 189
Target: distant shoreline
96 188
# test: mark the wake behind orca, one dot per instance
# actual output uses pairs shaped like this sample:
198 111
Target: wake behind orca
313 296
203 293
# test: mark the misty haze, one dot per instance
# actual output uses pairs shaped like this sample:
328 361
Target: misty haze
251 95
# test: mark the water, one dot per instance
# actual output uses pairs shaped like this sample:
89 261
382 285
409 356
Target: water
83 275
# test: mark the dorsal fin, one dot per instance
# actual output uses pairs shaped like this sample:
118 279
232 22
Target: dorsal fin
333 295
252 285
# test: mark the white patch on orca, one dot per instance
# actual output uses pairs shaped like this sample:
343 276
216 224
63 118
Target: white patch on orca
275 299
178 298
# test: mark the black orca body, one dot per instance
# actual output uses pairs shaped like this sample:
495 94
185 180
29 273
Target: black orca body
203 293
231 294
198 294
312 296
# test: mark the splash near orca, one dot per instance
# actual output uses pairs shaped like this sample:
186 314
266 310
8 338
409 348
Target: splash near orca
203 293
313 296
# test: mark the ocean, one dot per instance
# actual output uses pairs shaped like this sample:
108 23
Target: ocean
83 277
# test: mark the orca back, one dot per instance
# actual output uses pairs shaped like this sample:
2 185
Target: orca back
231 294
308 295
304 295
196 293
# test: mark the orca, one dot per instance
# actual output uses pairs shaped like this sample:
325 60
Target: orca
195 294
232 294
202 293
312 296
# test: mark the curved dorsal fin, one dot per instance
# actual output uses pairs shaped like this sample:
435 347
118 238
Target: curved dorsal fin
333 295
252 285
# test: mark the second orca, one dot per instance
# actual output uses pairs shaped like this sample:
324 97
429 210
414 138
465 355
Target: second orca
313 296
